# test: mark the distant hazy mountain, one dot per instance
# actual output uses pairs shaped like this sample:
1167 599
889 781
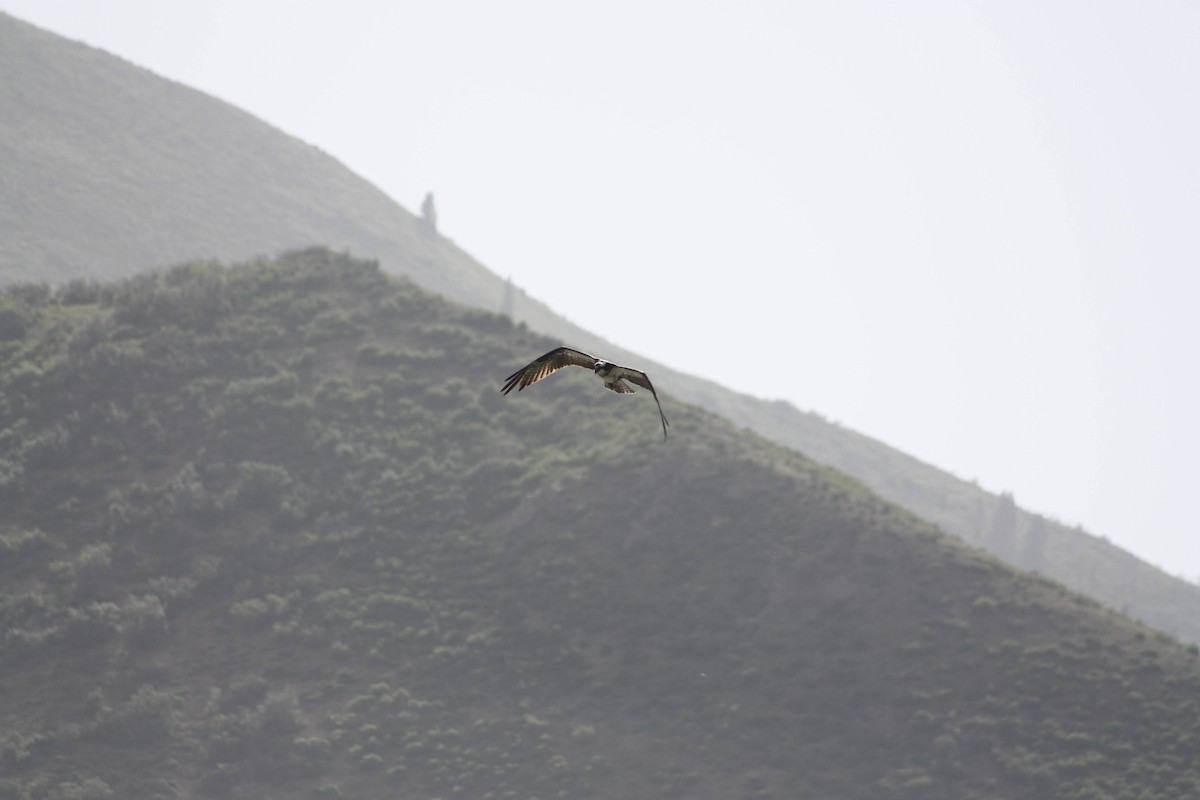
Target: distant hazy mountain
108 170
271 532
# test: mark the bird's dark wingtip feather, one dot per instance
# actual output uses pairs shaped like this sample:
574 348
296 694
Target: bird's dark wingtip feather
511 381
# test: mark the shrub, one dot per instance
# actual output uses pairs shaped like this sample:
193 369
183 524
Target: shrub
262 486
146 719
278 715
23 542
143 619
15 318
985 604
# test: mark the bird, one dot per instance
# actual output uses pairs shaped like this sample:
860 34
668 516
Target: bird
615 377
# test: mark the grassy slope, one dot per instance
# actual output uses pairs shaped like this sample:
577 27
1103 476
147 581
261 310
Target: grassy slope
272 531
112 170
98 149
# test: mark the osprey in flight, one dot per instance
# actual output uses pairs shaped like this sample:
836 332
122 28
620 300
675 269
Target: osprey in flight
613 375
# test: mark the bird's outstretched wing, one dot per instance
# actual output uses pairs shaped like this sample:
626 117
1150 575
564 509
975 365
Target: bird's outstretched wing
639 378
546 365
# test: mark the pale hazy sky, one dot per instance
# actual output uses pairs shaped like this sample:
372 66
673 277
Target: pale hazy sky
968 229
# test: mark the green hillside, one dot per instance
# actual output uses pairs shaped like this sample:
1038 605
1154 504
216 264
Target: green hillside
271 531
109 170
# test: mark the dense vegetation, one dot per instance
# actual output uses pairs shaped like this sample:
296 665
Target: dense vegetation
1068 554
94 140
271 531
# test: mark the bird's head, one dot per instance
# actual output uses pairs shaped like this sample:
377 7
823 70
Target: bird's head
600 366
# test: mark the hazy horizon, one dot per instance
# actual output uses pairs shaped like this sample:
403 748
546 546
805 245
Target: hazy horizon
968 232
